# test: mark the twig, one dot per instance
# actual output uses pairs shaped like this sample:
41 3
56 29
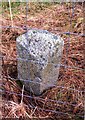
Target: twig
10 12
22 94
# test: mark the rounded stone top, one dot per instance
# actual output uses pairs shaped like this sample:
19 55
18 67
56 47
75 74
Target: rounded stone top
40 44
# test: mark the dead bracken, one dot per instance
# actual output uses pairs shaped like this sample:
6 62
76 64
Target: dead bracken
64 99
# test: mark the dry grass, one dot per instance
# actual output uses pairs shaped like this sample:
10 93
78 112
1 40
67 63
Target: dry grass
65 101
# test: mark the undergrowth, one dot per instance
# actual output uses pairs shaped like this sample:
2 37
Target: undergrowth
67 103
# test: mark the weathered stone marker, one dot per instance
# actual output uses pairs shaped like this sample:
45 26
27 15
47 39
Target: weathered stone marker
39 54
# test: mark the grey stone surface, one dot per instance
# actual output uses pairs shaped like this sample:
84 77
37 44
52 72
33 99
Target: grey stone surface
38 52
